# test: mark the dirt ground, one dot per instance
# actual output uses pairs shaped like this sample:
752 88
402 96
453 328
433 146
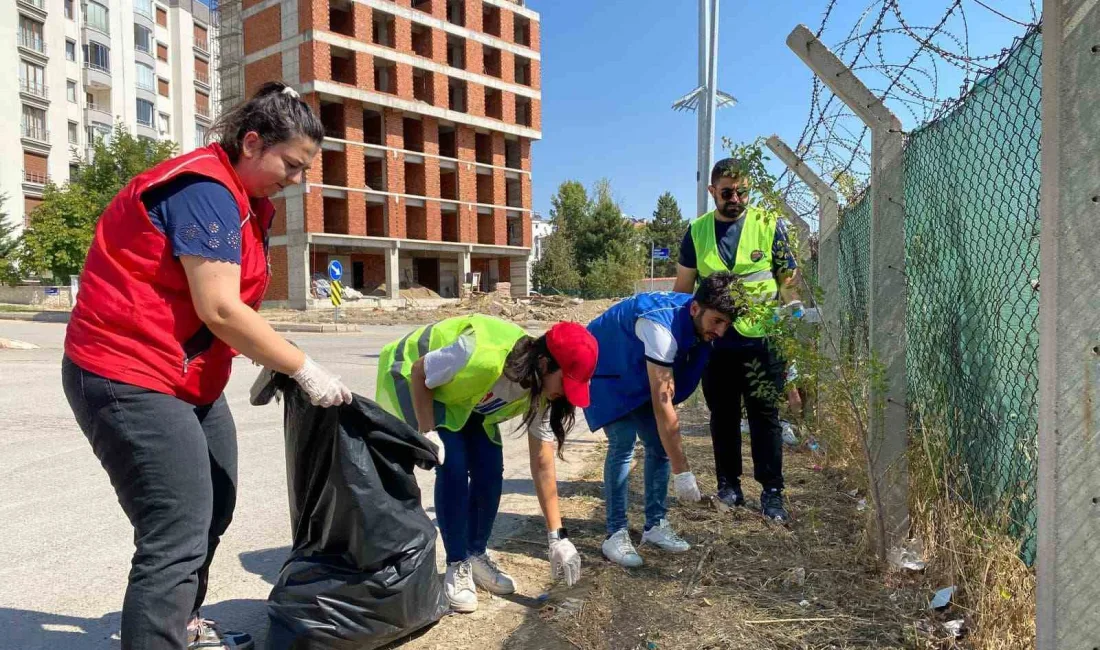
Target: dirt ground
745 583
544 309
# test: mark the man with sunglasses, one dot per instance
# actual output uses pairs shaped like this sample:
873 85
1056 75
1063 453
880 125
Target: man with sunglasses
752 243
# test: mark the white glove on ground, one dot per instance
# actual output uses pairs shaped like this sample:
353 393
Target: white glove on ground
433 437
687 489
324 388
565 561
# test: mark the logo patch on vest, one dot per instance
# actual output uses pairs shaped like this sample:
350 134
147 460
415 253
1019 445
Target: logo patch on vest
756 256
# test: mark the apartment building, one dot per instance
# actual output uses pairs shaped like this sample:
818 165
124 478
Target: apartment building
430 108
76 67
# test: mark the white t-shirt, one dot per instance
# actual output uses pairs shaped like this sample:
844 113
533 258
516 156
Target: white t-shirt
660 345
442 365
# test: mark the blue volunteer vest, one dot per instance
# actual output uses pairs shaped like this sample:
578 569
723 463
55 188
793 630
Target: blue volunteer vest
621 382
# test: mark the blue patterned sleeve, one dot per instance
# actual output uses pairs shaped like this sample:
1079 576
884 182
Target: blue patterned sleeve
199 216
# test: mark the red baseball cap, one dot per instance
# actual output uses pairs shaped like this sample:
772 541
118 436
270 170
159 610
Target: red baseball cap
575 350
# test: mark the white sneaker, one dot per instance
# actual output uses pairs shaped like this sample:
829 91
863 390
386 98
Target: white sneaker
490 577
662 536
789 436
619 550
459 587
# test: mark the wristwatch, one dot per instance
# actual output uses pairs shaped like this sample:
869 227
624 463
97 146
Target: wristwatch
557 535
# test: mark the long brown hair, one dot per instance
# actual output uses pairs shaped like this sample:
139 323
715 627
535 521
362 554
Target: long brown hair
523 367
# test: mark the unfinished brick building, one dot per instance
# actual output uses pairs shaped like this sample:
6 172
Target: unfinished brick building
430 108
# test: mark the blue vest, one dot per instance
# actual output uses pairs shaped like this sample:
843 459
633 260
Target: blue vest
621 382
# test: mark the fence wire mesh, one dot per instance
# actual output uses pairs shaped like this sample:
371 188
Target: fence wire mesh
854 259
972 255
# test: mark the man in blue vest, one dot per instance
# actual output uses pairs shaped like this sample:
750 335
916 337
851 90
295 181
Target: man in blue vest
653 348
750 242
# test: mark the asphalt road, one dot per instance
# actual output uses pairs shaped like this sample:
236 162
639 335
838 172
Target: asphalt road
67 545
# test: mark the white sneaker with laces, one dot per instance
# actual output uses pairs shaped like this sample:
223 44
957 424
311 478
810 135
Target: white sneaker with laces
620 550
459 587
490 577
663 537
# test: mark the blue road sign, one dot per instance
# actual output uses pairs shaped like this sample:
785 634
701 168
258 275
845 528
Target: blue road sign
335 270
660 253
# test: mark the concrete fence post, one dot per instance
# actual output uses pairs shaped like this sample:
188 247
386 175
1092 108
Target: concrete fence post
888 425
1068 559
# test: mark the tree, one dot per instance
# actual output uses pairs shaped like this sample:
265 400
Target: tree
605 231
61 228
666 230
9 247
556 271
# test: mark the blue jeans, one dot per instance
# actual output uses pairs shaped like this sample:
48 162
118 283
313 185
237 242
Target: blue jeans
621 434
467 489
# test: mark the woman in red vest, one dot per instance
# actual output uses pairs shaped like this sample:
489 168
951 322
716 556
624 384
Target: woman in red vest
168 296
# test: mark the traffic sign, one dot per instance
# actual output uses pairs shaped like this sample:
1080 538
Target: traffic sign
335 270
335 292
660 253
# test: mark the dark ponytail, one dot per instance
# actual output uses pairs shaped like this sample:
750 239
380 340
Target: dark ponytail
275 113
522 367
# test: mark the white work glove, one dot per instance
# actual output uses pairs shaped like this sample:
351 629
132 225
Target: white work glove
324 388
565 561
687 489
433 437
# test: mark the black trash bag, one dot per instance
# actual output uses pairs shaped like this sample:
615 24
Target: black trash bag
362 570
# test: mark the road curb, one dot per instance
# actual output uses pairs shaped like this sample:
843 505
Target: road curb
316 328
36 316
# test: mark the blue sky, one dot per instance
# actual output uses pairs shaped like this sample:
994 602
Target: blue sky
611 70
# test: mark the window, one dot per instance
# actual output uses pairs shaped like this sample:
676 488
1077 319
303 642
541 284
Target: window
162 51
70 91
162 123
200 136
70 50
74 133
145 112
30 34
143 39
162 86
69 9
34 124
162 17
144 7
32 78
97 131
97 17
145 78
97 56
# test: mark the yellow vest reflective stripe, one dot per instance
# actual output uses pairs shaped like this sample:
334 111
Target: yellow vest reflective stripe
757 236
455 400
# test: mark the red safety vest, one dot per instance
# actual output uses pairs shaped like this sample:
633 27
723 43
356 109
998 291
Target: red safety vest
134 321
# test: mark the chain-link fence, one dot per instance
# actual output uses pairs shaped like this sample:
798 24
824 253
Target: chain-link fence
854 258
972 260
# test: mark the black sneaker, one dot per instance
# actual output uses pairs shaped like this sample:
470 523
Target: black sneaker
771 506
731 496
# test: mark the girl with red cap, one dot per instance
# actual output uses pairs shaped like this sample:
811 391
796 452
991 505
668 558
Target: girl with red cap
456 381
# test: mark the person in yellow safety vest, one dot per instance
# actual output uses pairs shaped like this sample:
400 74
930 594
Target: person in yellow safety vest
456 381
752 243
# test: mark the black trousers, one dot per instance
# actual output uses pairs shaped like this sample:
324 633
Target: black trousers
754 375
174 468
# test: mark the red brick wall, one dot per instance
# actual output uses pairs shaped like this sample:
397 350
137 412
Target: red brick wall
505 263
465 138
278 223
277 289
312 14
356 167
393 136
374 270
314 63
259 72
263 29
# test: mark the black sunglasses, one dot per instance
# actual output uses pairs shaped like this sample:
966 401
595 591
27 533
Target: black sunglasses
727 193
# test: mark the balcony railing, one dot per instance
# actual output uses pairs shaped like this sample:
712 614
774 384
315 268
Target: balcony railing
202 45
33 88
32 42
143 122
202 77
97 67
35 178
41 134
203 111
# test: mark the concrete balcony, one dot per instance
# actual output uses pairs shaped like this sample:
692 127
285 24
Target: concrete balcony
33 46
97 113
35 8
96 76
36 139
34 92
